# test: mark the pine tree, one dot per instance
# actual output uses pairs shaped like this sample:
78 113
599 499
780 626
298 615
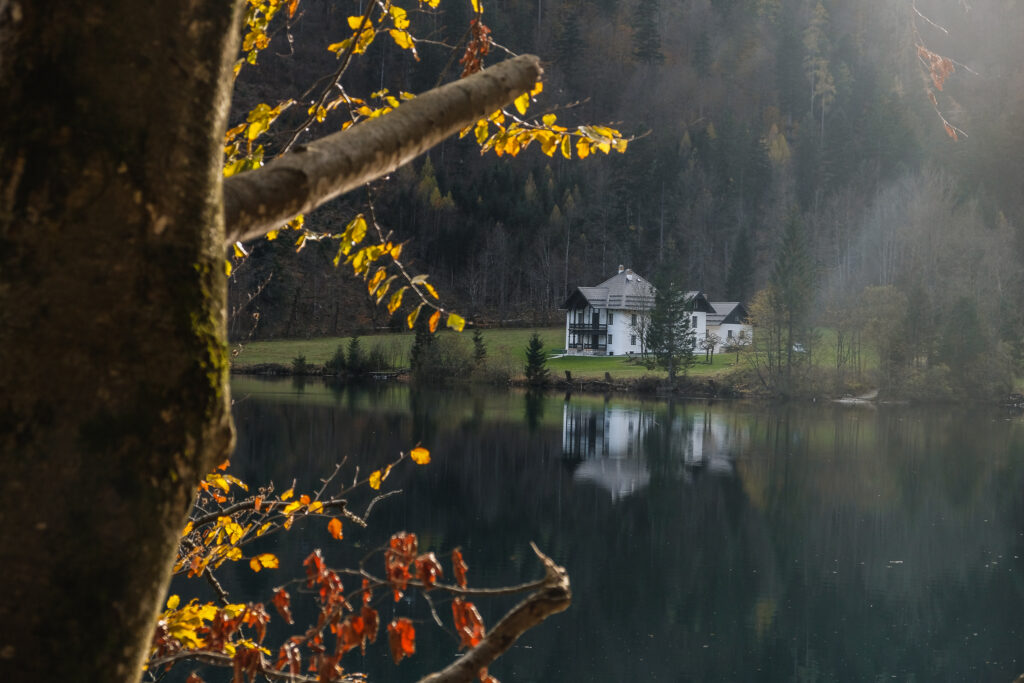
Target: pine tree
479 348
741 269
536 362
421 344
792 282
670 336
646 37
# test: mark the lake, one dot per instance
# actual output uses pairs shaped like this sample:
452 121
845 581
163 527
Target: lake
706 541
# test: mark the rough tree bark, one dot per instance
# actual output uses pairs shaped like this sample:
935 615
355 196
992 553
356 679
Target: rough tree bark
113 365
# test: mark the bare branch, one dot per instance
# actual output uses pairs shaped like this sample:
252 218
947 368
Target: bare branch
552 598
261 200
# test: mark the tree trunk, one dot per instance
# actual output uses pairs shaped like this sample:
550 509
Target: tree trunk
113 361
112 290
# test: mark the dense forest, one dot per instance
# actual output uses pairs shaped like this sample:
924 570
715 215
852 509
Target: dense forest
747 115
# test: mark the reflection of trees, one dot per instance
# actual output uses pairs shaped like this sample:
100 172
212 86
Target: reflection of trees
782 572
533 408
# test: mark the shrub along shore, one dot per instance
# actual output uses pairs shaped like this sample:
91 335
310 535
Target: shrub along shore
499 357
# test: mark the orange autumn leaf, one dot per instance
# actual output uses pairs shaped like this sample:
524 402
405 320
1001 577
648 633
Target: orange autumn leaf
434 320
459 567
468 622
420 455
334 527
402 639
282 602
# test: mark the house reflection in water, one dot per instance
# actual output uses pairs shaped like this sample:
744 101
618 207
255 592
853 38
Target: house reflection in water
614 445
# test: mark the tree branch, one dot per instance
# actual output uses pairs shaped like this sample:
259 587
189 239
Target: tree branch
553 597
261 200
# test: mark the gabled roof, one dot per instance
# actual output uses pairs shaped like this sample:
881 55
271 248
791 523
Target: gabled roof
627 291
624 291
727 313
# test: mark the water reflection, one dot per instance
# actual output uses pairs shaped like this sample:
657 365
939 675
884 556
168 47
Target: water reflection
614 446
706 542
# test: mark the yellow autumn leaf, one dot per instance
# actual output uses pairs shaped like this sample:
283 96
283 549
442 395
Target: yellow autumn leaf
430 288
396 251
420 455
477 6
548 142
272 235
549 119
522 102
291 507
315 507
173 602
263 529
187 530
403 40
567 147
481 130
355 231
411 319
395 301
538 87
355 22
456 322
287 494
582 148
375 281
264 561
227 268
399 17
375 480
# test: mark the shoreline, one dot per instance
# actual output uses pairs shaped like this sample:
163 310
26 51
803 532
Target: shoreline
685 388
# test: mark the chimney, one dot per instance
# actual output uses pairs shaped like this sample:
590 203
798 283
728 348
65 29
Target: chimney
621 268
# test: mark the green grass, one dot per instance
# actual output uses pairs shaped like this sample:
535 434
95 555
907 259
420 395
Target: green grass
505 347
502 344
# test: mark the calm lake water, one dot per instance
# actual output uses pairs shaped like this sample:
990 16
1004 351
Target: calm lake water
706 541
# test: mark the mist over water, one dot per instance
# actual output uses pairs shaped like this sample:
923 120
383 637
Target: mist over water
705 541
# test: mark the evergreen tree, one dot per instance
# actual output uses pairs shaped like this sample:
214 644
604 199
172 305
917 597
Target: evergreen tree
741 269
536 362
646 36
354 361
670 335
792 283
421 344
479 348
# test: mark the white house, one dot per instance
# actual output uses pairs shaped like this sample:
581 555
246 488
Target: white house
729 322
608 319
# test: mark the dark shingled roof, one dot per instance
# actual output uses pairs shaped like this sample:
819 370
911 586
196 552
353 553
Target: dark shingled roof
727 313
625 291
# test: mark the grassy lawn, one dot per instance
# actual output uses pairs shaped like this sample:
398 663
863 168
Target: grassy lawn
504 347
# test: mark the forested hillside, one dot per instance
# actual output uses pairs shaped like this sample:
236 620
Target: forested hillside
745 113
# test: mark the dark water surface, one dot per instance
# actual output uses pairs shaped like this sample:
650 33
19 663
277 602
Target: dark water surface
705 541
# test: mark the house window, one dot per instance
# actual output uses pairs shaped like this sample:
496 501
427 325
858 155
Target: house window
633 319
611 317
728 335
632 340
743 334
609 339
694 322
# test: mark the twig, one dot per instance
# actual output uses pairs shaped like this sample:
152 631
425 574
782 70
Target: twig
554 596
